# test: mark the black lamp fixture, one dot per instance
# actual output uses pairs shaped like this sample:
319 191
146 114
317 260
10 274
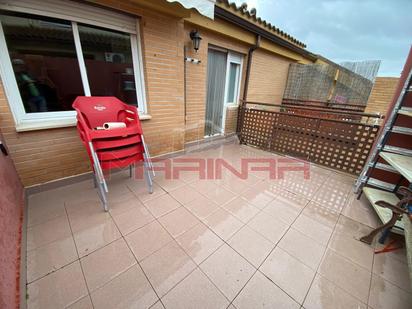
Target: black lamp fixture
196 38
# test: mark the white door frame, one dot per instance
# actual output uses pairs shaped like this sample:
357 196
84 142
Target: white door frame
237 58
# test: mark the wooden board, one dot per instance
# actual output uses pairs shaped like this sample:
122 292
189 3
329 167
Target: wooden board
384 214
403 164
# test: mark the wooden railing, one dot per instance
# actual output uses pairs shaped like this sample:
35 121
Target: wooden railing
332 138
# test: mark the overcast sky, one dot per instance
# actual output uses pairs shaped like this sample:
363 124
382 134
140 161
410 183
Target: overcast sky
346 30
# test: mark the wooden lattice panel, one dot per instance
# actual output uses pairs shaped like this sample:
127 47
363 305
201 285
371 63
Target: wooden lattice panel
257 127
293 135
337 144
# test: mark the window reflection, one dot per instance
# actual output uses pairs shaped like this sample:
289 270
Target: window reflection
108 59
44 61
233 81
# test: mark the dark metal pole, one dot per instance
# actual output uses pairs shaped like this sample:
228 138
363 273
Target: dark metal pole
248 66
246 86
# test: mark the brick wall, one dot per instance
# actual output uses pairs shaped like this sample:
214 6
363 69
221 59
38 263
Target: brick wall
46 155
231 120
196 81
268 77
381 95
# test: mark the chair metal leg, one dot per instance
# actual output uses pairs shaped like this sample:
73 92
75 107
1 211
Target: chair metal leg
131 170
148 174
97 168
149 161
102 194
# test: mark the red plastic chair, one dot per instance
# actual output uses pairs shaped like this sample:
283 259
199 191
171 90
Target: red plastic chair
114 148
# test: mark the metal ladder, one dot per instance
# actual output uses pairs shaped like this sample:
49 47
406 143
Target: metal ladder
372 162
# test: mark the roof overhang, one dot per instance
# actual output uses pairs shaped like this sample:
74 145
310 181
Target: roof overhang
204 7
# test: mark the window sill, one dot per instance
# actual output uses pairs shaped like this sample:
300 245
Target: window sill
232 106
34 125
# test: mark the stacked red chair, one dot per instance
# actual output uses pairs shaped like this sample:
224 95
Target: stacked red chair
111 132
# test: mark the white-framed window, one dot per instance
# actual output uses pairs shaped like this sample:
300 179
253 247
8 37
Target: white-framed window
233 77
47 59
234 65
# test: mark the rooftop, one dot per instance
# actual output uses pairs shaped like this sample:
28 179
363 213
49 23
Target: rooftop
217 243
251 16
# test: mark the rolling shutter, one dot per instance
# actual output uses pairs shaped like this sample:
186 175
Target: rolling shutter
73 11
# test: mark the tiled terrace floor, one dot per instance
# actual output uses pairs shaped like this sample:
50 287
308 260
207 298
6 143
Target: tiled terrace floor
226 243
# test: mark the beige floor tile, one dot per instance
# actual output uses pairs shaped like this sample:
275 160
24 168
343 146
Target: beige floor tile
96 236
241 209
118 195
161 205
295 200
168 184
399 254
84 303
46 198
237 185
128 290
142 191
312 228
269 227
360 211
75 201
220 195
57 290
188 176
50 257
167 267
223 224
333 195
384 295
349 276
204 186
43 211
291 275
195 291
302 247
124 205
45 233
199 242
178 221
323 215
260 292
285 209
185 194
392 270
258 196
300 187
106 263
147 240
202 207
251 245
87 216
353 249
157 305
228 271
132 219
323 294
351 228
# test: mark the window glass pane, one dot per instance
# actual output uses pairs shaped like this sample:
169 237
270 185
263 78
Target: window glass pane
108 58
44 61
233 76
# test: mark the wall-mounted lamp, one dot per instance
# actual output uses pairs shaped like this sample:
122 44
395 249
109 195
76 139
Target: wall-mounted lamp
196 38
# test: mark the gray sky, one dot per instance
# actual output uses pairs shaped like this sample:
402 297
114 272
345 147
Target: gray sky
346 30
